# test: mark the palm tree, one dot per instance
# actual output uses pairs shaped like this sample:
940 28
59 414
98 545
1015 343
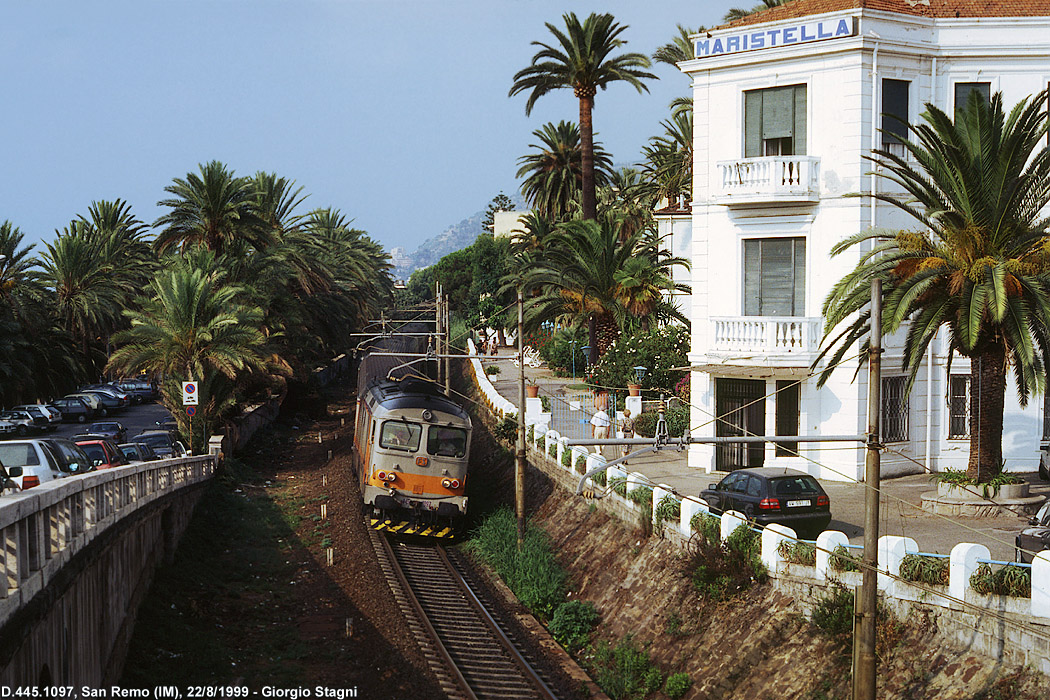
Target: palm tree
981 267
627 202
213 209
739 13
669 158
578 278
191 327
581 61
679 49
554 171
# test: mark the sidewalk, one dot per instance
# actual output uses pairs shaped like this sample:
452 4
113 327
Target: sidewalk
899 511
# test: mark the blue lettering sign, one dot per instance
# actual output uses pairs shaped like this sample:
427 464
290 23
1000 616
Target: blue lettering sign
758 40
806 37
732 44
789 35
702 48
773 33
843 29
821 34
751 40
717 47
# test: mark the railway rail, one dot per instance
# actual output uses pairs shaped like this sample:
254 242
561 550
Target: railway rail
473 655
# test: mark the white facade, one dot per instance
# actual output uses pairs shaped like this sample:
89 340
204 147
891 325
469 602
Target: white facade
746 206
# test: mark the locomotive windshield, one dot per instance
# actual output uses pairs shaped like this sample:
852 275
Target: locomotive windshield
446 442
400 435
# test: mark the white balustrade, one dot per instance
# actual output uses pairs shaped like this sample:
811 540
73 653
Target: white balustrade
766 334
769 178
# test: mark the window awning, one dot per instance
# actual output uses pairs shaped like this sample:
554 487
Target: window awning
751 371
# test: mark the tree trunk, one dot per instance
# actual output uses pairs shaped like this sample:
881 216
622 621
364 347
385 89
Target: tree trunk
607 331
987 396
592 340
588 200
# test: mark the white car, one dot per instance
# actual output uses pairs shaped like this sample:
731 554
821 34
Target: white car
42 460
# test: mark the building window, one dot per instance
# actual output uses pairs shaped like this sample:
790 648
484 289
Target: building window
894 409
774 276
894 115
958 406
964 91
775 122
787 416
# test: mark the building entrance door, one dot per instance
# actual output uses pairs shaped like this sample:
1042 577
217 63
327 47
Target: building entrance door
741 409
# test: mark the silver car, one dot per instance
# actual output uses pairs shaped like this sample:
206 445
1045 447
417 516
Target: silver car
22 422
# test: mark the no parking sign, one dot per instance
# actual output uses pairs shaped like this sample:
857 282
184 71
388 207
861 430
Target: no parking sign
189 393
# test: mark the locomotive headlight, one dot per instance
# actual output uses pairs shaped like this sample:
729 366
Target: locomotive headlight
427 415
446 483
382 476
455 483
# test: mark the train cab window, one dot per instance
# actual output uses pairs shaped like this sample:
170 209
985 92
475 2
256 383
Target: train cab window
447 442
400 435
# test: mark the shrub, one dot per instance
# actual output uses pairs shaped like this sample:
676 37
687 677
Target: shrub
669 508
677 684
986 489
932 571
1006 580
581 464
600 478
557 350
643 496
619 485
658 350
492 369
677 418
552 449
798 552
531 434
572 624
625 672
531 572
720 570
842 560
707 526
545 403
566 458
833 614
507 429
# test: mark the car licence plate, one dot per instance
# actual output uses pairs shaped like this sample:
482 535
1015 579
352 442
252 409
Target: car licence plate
797 504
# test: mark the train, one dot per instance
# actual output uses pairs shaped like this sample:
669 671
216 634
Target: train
411 442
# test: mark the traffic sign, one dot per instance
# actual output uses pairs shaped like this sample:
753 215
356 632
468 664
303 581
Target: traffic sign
190 410
189 393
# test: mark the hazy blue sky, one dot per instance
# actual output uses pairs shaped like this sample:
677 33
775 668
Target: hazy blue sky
394 111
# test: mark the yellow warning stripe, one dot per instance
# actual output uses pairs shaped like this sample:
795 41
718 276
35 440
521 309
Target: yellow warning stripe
406 528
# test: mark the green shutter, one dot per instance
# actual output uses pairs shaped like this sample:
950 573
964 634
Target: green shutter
778 113
799 145
753 124
753 278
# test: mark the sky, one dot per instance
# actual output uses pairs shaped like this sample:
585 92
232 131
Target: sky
395 112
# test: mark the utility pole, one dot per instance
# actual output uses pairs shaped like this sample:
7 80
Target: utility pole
438 331
519 470
864 661
448 375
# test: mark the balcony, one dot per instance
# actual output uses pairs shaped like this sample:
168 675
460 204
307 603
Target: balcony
770 179
772 341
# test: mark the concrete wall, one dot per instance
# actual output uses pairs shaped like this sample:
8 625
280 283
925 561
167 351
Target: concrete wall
78 555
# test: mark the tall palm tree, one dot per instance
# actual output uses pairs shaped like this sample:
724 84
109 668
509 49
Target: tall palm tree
191 327
212 208
981 267
553 172
581 61
627 202
669 157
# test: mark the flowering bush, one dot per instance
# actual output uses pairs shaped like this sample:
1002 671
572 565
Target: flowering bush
658 351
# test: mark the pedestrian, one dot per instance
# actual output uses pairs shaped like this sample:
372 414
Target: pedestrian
494 344
628 430
600 422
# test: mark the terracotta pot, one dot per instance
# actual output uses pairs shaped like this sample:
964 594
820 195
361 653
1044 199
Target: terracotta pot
634 389
532 390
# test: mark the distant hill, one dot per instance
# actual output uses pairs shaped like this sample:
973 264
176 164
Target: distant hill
455 237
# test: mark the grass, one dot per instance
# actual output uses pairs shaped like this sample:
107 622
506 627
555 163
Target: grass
624 672
720 570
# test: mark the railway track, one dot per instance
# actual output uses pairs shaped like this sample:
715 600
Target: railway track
472 654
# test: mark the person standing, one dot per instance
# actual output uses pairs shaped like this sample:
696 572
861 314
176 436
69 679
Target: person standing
600 422
627 426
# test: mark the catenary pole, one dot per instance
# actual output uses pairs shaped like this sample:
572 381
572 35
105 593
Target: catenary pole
439 331
519 467
864 661
448 374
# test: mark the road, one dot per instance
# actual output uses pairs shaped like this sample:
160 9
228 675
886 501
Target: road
134 418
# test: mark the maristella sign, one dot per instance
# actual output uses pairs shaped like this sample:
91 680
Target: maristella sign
755 39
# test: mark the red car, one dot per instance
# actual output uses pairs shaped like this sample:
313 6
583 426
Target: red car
102 453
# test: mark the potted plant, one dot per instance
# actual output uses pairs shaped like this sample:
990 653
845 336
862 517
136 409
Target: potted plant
532 389
634 389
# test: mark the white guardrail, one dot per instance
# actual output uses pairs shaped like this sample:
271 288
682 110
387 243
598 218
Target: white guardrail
42 528
499 405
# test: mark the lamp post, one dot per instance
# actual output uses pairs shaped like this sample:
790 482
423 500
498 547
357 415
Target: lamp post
573 343
586 354
639 372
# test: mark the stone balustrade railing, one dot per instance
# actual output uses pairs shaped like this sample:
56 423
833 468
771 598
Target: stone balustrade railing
496 403
42 528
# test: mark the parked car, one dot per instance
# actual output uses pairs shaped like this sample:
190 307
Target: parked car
7 479
111 430
93 402
113 402
42 416
73 409
1044 461
773 495
7 429
43 460
140 391
102 452
138 452
1034 538
163 443
23 422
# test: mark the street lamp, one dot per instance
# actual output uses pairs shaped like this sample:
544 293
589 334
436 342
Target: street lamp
639 373
573 343
586 354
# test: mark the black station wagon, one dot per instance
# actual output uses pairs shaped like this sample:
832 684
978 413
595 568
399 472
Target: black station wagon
773 495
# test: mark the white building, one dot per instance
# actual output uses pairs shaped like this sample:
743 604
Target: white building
784 103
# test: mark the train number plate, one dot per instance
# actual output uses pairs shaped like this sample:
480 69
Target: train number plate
798 504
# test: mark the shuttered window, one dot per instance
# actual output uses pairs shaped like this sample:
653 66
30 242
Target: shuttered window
894 409
894 111
774 276
958 406
775 121
787 415
963 92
